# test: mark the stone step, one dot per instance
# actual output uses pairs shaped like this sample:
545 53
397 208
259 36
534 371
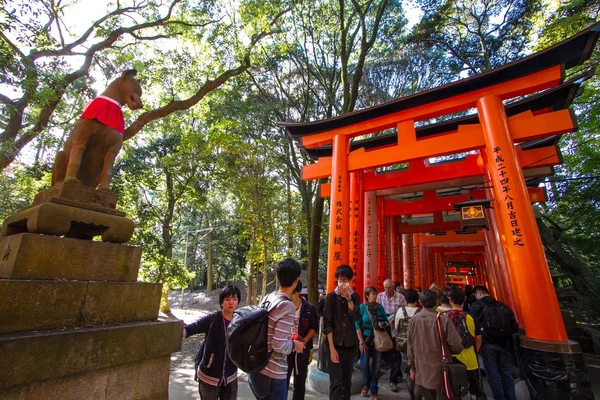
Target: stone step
38 356
147 380
31 256
30 305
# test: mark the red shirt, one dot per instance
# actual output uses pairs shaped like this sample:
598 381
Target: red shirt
107 111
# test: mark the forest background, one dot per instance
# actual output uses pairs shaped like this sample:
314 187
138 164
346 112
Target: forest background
213 185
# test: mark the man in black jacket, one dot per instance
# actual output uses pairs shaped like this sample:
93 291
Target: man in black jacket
340 314
498 323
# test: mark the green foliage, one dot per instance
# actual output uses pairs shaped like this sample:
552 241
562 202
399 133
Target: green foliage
477 35
19 185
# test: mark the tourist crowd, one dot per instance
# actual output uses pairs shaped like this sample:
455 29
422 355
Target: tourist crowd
415 332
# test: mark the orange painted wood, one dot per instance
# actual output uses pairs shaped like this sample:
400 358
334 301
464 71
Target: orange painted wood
541 314
418 273
394 239
381 245
517 87
523 127
357 232
338 246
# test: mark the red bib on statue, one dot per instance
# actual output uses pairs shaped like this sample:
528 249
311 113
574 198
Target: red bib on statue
106 111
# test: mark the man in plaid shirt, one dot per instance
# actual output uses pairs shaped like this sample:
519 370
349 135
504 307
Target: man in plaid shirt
391 302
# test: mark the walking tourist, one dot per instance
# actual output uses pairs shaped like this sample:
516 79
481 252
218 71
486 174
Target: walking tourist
425 348
372 316
470 332
271 382
391 300
215 372
402 320
498 323
339 316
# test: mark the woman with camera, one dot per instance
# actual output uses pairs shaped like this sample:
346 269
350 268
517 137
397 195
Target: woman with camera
372 315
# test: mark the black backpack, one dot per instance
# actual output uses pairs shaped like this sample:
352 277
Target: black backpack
247 336
496 322
459 319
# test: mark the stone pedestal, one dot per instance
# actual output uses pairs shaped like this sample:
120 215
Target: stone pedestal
72 210
75 324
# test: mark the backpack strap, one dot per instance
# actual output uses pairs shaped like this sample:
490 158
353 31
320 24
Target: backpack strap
405 313
271 305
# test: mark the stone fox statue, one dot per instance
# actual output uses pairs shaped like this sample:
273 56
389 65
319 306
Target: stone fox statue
94 143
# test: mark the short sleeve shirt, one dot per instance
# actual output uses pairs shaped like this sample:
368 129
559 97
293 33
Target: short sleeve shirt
468 356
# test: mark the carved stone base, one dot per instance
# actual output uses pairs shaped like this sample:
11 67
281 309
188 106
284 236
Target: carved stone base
73 193
51 218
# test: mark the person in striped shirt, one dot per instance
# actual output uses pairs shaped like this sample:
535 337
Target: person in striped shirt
271 382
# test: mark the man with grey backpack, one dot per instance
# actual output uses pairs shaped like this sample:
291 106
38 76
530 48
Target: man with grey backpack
403 316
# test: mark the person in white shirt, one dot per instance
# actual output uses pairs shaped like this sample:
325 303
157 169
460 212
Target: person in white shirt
391 302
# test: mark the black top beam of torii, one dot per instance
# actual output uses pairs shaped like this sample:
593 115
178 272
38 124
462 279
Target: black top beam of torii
569 53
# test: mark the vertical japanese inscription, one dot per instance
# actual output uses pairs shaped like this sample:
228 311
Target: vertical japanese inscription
508 207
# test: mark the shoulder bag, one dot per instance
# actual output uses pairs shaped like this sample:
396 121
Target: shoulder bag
455 381
382 341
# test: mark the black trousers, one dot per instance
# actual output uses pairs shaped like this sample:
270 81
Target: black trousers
209 392
297 364
340 374
475 387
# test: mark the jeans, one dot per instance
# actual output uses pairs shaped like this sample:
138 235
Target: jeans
370 365
266 388
298 364
498 368
209 392
340 374
394 358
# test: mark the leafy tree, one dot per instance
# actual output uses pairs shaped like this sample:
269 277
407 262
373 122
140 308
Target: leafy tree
37 50
477 35
317 71
154 181
570 222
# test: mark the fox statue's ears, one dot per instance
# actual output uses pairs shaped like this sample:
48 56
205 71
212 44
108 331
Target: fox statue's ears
129 73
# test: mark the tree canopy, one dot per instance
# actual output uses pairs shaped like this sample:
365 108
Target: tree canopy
214 187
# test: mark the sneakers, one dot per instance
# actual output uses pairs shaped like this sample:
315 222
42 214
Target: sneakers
365 391
393 387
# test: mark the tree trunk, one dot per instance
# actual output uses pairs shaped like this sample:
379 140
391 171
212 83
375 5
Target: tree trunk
290 236
250 299
209 266
584 280
164 299
314 248
265 277
167 237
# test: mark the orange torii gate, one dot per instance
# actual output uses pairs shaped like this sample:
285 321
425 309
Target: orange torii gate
506 141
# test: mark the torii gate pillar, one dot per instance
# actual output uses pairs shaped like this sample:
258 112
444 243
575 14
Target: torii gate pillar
545 339
339 210
541 314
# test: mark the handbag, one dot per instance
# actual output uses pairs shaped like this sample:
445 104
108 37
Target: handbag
455 381
381 340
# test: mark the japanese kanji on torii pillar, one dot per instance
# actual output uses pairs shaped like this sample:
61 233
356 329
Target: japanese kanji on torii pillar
401 224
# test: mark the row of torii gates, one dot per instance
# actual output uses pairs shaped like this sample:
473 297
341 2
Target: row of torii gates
403 224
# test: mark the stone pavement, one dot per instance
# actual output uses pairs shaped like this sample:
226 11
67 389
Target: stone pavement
183 387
